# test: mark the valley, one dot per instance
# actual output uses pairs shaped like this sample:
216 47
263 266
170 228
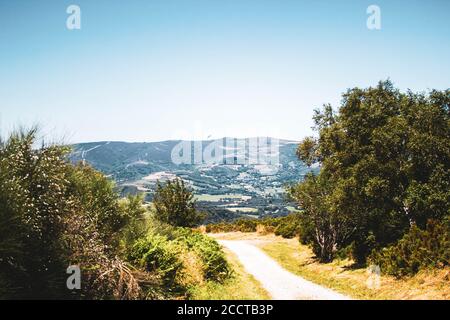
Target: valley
225 191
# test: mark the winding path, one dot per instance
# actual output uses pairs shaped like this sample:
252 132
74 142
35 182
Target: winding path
280 283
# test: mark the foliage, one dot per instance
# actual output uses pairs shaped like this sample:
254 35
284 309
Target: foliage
138 222
155 253
174 204
384 158
324 227
287 226
175 253
418 249
215 266
52 215
32 207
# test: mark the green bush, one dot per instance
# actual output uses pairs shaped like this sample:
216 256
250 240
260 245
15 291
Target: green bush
221 227
54 214
417 250
247 225
215 266
174 204
289 226
156 253
163 252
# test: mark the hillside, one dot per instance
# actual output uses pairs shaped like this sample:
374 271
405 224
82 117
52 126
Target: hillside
224 190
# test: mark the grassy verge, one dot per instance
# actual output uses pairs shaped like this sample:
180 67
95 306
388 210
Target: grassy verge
343 277
241 286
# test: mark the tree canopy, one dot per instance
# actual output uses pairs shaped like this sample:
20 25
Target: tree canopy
385 157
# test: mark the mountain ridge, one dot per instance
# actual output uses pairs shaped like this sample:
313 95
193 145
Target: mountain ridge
232 189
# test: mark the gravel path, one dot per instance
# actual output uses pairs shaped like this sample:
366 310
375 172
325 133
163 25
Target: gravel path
280 283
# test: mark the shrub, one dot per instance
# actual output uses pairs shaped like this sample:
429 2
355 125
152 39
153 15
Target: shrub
174 204
138 225
54 214
289 226
156 253
215 265
181 257
417 250
247 225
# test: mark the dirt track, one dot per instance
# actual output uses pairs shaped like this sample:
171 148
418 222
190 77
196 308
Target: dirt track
280 283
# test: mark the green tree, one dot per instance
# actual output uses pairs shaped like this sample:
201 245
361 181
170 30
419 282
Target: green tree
322 226
174 204
386 156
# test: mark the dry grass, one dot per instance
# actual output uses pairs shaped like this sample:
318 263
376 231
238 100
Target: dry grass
192 269
343 277
262 230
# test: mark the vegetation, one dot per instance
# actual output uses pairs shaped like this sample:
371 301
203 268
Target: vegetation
54 214
287 227
384 158
239 286
343 276
418 249
215 265
174 204
155 253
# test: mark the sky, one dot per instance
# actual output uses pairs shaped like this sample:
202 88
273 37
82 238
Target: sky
195 69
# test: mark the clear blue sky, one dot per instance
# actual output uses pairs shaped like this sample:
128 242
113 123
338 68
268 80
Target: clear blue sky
155 70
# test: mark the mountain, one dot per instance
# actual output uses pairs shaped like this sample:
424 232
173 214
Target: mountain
230 177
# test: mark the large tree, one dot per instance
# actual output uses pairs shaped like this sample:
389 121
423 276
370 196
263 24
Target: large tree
387 158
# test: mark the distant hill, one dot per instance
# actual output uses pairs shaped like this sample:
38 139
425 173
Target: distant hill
231 190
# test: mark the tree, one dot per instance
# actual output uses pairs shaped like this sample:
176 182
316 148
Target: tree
387 160
174 204
322 227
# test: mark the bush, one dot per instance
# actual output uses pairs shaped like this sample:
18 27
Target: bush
215 265
263 229
174 204
289 226
417 250
180 257
156 253
247 225
240 225
54 214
